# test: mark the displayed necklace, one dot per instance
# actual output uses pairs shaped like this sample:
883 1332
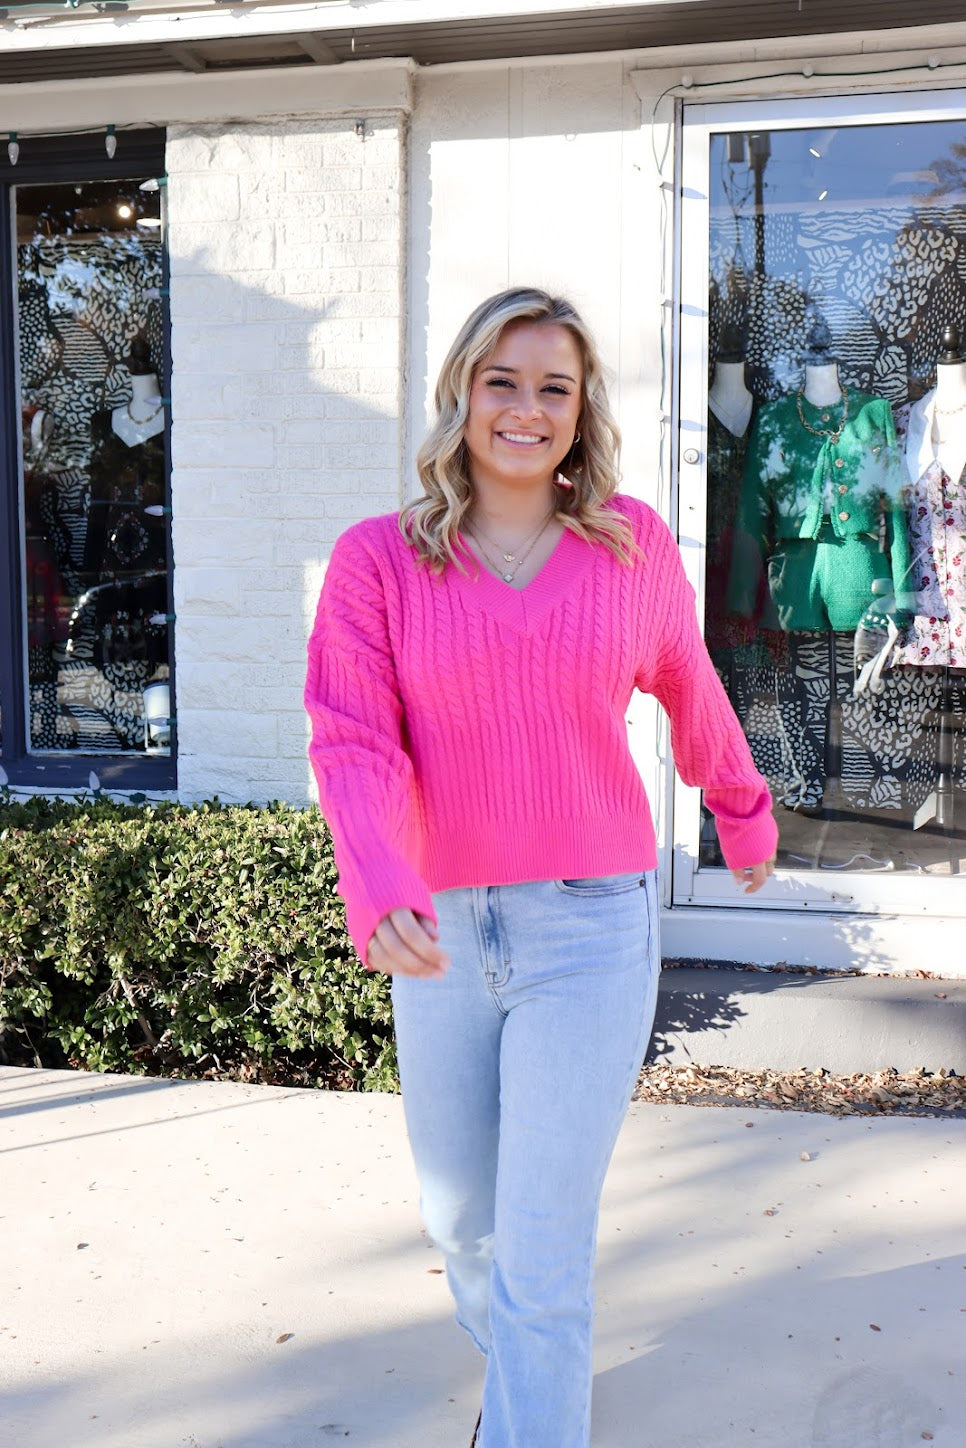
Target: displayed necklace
143 421
834 433
519 558
950 411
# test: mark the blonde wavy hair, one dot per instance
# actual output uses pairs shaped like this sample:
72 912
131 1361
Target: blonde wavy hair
432 523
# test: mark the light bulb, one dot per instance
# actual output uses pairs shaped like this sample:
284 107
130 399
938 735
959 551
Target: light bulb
13 148
110 143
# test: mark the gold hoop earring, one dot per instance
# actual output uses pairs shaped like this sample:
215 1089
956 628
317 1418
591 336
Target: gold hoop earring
560 477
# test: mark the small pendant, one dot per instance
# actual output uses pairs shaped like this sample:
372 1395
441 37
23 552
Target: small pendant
508 578
825 417
509 558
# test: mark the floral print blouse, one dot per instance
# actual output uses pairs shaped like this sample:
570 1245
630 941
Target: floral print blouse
936 505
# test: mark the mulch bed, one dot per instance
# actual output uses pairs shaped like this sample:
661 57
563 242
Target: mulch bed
885 1093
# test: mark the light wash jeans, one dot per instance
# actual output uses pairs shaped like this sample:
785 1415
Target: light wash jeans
516 1070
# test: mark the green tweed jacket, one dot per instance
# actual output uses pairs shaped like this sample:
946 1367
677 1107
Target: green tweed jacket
807 464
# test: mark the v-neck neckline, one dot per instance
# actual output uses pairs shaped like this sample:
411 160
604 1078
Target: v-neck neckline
523 608
922 452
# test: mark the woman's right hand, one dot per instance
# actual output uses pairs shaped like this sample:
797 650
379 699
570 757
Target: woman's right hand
404 943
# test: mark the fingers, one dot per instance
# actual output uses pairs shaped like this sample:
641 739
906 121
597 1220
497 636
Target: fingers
406 944
752 877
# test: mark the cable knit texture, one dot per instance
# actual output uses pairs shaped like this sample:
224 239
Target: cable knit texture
468 733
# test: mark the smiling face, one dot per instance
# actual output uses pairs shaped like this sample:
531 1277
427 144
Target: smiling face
524 406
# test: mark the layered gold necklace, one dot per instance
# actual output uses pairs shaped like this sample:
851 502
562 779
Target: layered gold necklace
518 558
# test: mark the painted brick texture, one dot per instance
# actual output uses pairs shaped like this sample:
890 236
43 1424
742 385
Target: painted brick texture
286 244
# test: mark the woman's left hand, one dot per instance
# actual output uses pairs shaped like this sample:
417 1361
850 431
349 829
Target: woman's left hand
754 876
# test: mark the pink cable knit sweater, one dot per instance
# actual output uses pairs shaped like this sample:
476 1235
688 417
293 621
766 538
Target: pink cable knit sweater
468 733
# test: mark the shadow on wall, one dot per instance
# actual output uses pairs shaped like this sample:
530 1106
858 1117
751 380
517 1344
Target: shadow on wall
684 1013
269 467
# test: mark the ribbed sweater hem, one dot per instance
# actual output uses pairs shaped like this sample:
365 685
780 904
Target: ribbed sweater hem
542 849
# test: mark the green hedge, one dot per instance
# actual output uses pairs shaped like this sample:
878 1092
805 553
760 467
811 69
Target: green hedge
178 940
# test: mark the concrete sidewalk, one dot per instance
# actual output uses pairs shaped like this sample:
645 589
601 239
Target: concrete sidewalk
160 1239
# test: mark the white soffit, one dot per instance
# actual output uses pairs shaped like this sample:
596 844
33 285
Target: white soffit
103 38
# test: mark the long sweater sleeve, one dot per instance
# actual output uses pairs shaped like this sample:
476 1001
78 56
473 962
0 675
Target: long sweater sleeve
709 747
364 773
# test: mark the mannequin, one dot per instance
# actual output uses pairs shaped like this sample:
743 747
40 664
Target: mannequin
729 397
951 375
125 563
41 430
730 404
143 417
948 404
743 648
821 500
822 386
824 473
935 464
935 459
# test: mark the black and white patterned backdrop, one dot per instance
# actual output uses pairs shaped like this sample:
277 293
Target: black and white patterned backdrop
885 280
83 303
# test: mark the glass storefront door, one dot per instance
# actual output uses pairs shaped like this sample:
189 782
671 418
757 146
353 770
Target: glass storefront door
822 485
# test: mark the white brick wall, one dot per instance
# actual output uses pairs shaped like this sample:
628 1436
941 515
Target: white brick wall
286 285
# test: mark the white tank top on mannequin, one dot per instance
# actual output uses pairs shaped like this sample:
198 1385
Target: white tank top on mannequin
937 425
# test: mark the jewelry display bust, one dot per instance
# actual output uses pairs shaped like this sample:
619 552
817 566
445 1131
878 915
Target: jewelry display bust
822 385
729 397
950 397
142 417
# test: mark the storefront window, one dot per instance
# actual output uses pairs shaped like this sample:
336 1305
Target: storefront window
93 613
835 599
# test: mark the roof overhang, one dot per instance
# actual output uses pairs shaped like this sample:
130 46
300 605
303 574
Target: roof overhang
90 39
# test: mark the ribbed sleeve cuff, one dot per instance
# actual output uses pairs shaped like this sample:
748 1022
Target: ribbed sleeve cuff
749 841
401 890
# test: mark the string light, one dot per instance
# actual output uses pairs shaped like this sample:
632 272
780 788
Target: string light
110 143
50 132
13 148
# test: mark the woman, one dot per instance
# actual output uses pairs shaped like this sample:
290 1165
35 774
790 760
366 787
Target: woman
469 674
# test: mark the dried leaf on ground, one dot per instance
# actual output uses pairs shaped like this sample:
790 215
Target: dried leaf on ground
884 1093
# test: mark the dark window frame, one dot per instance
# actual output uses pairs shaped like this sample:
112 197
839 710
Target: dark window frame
59 159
